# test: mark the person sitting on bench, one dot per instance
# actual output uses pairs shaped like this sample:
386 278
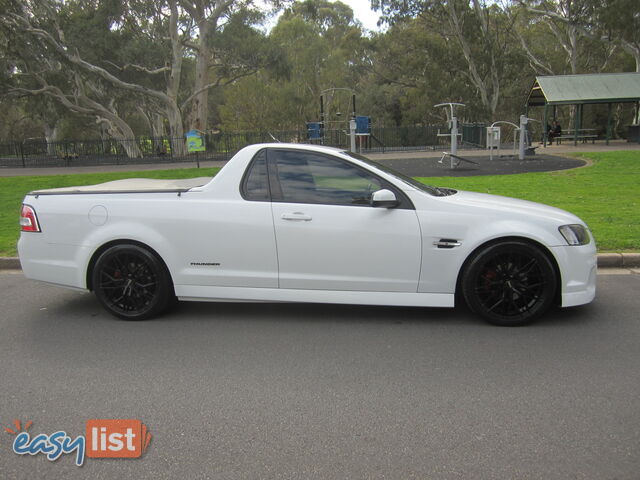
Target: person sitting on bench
554 132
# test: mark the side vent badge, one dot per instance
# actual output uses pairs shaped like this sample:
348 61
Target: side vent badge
447 243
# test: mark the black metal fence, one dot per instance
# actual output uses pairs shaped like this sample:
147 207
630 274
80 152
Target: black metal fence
220 146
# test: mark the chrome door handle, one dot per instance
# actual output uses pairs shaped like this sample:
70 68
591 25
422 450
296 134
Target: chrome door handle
296 217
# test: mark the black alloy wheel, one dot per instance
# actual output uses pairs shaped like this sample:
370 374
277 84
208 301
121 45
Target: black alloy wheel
509 283
132 283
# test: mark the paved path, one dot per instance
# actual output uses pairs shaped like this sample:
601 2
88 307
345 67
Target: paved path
239 391
553 150
17 172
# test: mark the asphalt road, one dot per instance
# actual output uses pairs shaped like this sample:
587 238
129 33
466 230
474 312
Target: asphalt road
254 391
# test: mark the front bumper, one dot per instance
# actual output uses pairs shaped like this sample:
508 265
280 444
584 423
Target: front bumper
578 272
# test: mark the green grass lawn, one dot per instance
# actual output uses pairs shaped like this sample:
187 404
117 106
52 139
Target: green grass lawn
606 194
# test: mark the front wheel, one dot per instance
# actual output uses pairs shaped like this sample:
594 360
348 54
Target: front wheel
132 283
509 283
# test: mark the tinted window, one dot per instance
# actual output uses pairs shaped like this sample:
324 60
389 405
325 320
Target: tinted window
306 177
256 185
438 192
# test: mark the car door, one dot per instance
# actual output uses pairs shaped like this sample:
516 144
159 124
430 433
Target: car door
329 237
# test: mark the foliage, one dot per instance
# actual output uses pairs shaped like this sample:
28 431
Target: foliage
105 68
121 61
320 41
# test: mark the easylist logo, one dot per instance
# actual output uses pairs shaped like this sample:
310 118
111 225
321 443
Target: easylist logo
104 439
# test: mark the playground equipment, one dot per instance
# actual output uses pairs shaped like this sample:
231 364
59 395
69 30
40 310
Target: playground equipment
352 134
358 127
493 137
363 131
314 131
523 133
325 117
455 160
524 136
453 125
328 94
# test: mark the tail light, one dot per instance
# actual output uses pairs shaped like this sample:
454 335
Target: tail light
28 219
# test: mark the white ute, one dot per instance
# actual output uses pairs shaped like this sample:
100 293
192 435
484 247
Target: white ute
304 223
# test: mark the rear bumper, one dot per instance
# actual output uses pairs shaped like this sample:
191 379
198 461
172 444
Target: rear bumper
52 263
578 272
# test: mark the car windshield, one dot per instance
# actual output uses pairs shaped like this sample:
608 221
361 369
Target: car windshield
431 190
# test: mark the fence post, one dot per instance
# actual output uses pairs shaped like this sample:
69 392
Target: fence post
22 155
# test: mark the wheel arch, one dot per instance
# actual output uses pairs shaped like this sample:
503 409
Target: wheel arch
123 241
543 248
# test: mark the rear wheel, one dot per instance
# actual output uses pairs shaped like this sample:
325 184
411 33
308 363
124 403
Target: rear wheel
509 283
132 283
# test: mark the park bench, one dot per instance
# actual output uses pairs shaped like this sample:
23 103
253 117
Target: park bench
582 135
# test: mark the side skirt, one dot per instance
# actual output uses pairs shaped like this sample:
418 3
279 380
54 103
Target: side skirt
198 293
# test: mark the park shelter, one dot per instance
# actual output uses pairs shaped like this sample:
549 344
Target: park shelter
580 90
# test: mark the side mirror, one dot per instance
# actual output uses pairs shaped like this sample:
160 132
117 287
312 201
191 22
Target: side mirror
384 199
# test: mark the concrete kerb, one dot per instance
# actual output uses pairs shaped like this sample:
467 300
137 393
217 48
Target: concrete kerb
605 260
10 263
618 260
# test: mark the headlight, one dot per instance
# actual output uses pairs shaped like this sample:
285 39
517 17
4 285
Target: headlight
575 234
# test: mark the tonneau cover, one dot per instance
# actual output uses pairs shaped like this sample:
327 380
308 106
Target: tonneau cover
131 185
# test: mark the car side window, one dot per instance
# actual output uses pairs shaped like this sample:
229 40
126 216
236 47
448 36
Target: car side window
256 184
306 177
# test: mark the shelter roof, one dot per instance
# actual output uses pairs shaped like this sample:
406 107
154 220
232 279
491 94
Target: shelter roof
581 89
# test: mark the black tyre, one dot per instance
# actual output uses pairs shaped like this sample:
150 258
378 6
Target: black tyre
132 283
509 283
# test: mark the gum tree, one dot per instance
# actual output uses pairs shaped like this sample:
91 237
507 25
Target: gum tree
481 32
138 49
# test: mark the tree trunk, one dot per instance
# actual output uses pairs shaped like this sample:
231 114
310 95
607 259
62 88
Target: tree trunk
51 135
207 25
157 125
157 131
131 147
634 51
178 141
123 134
104 136
171 109
200 102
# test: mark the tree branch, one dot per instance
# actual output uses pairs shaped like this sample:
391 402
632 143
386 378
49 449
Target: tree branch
533 60
140 68
77 60
217 83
